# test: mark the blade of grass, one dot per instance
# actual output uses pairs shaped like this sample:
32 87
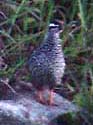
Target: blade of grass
7 35
16 14
82 14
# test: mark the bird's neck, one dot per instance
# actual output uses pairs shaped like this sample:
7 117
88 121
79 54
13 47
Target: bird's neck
51 42
53 38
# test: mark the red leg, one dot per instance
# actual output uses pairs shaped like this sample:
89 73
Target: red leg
40 97
51 97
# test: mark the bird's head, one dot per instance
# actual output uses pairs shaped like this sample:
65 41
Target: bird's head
55 28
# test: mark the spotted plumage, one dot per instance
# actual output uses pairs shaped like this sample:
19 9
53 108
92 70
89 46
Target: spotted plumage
47 62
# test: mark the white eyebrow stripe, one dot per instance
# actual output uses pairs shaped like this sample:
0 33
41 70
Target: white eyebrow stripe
52 24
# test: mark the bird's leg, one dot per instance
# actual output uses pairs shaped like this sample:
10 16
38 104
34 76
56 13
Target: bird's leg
40 96
51 97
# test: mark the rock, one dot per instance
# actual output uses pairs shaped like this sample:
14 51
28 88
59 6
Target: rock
25 110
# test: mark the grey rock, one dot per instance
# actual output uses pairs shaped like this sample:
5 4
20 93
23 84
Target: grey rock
25 110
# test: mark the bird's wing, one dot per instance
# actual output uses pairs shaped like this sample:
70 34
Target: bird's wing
39 63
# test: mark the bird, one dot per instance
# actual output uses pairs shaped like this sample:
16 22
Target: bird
47 63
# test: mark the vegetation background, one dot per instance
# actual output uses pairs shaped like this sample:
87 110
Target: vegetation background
23 24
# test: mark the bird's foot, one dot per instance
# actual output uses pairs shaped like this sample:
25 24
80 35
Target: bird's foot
40 98
51 104
50 101
42 102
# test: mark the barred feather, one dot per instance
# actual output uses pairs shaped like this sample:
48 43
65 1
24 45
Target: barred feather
47 62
